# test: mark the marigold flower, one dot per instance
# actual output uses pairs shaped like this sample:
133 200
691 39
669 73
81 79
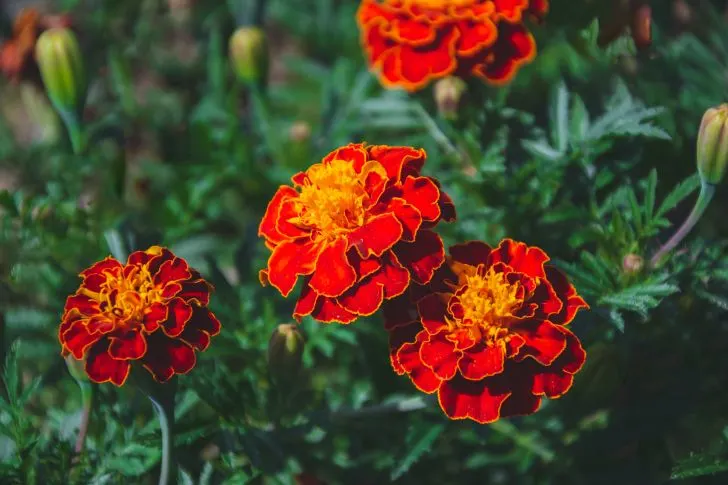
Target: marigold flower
152 309
357 226
489 336
412 42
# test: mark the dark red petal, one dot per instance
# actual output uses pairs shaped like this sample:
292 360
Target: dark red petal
328 310
567 293
333 274
552 384
475 36
84 304
408 216
101 367
267 226
108 265
520 404
364 298
77 338
200 328
399 312
306 302
482 361
545 299
379 234
398 336
422 376
393 277
424 194
573 357
172 271
521 257
100 324
440 355
398 161
154 315
179 313
472 253
355 153
421 257
197 291
166 357
433 311
289 260
478 400
364 267
128 346
544 341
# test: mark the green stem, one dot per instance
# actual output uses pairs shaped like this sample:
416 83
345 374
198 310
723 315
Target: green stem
75 134
87 400
704 198
162 398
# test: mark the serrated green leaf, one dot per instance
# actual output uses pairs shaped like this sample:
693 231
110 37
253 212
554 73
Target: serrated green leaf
559 117
678 194
419 440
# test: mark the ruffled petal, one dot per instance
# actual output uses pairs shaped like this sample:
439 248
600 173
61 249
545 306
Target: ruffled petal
544 341
398 161
267 226
521 257
179 313
480 401
379 234
572 302
433 312
166 357
77 338
129 345
333 275
154 315
102 367
289 260
363 299
440 355
422 376
328 310
424 194
172 271
482 361
472 253
421 257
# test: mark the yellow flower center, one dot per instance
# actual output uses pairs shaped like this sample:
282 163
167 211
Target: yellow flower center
488 302
124 299
334 200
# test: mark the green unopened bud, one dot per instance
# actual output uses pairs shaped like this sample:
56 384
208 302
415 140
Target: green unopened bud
59 59
712 150
448 92
77 369
249 55
285 352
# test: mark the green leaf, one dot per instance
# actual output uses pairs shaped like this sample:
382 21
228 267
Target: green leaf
678 194
419 440
559 117
699 465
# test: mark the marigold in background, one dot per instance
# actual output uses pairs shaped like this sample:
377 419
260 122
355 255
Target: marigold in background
358 227
411 42
489 335
153 309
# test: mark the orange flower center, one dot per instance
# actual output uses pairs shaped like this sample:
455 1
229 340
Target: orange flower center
488 302
335 200
124 299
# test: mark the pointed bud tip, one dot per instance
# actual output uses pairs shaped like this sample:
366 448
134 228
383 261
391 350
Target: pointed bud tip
712 145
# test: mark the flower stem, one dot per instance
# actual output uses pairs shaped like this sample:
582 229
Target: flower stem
87 400
704 198
162 398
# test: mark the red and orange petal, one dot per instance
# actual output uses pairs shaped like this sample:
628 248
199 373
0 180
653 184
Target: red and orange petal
412 43
349 270
153 310
476 378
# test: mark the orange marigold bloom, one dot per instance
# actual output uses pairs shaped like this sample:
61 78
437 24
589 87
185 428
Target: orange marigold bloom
489 335
357 226
412 42
152 309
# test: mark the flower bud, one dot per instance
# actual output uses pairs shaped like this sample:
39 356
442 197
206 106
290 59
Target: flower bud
77 368
632 263
712 149
59 59
285 352
642 27
249 55
448 92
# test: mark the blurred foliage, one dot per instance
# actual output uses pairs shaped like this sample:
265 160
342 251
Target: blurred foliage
588 154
